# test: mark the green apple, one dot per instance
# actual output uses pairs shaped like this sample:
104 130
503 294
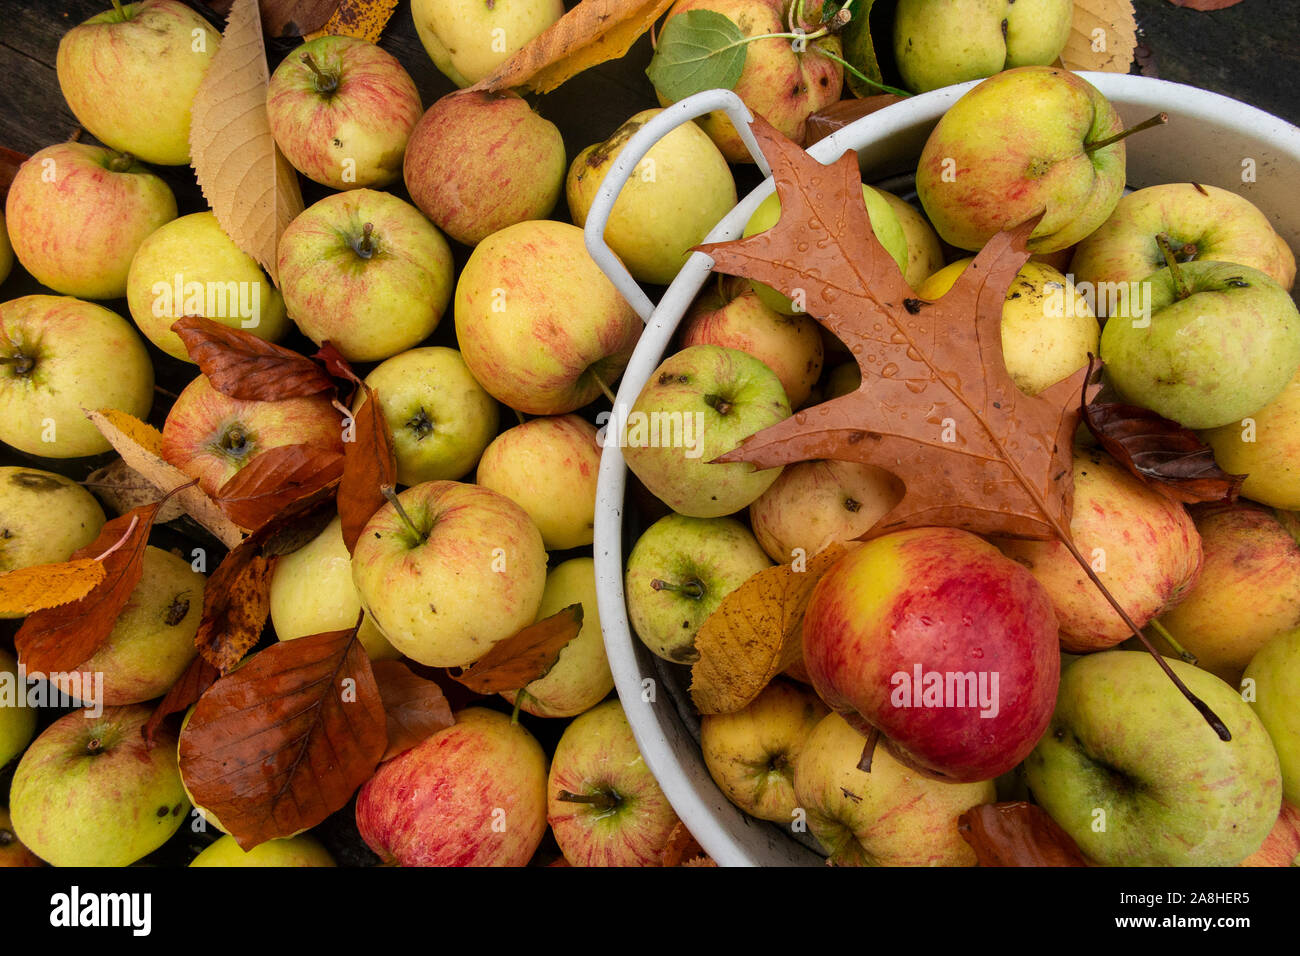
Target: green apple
942 42
468 39
302 850
892 816
751 754
312 593
548 467
78 213
44 517
440 416
191 267
678 573
17 720
884 223
580 678
59 357
1204 343
1136 776
89 792
365 271
1265 447
844 379
674 198
1275 671
447 570
1030 139
699 404
130 74
924 250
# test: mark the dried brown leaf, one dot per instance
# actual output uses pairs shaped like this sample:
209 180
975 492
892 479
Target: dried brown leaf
416 707
240 365
1108 51
682 849
525 656
369 466
189 687
275 479
843 112
295 18
236 603
121 488
25 590
364 19
1017 834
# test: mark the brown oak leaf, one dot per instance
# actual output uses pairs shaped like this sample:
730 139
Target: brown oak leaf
1017 834
416 707
369 466
240 365
525 656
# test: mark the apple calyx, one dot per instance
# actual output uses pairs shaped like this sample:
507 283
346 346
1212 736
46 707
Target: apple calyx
1157 120
1181 289
234 441
365 246
693 589
325 82
23 364
420 536
421 424
605 799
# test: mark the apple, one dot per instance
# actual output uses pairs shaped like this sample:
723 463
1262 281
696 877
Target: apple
924 250
210 436
675 196
78 213
12 851
1282 845
473 794
301 850
1048 328
191 267
946 647
441 418
892 816
447 570
548 467
1201 222
468 41
732 315
312 593
1248 590
942 42
1265 447
844 379
784 82
1143 546
505 313
751 754
341 110
59 357
1030 139
603 804
130 74
1275 672
1205 343
678 572
89 792
478 162
17 720
699 404
1135 775
817 503
44 517
152 641
580 678
365 271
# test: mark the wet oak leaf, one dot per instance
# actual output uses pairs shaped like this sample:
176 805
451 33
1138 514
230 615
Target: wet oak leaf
524 657
240 365
40 586
415 707
285 741
62 638
369 466
189 687
363 19
236 604
1017 834
936 406
275 479
755 634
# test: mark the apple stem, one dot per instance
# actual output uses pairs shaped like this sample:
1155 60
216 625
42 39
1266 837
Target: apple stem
388 492
601 798
692 589
325 82
22 363
869 750
1181 288
121 162
1182 652
117 7
520 415
519 699
1157 120
366 247
719 404
601 382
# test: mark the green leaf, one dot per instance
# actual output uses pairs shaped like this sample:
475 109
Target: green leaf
860 50
698 50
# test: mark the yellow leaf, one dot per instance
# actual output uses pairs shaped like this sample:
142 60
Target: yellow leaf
48 585
251 188
140 446
591 33
364 19
754 634
1103 36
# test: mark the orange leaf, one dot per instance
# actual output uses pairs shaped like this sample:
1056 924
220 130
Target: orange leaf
240 365
40 586
369 465
1017 834
416 707
276 479
283 742
682 849
364 19
236 603
755 634
524 657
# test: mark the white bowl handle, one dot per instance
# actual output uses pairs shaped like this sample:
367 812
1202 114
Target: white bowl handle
642 141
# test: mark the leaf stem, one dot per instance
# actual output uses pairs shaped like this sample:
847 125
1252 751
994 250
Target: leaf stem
860 75
1182 652
135 520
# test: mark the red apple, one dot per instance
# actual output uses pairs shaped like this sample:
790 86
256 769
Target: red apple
1282 845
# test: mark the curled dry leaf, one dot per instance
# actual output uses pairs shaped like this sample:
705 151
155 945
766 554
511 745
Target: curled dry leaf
682 849
140 446
591 33
240 365
369 466
755 634
275 479
1103 36
236 603
189 687
121 488
415 707
522 658
1017 834
40 586
294 18
250 186
283 742
843 112
364 19
62 638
